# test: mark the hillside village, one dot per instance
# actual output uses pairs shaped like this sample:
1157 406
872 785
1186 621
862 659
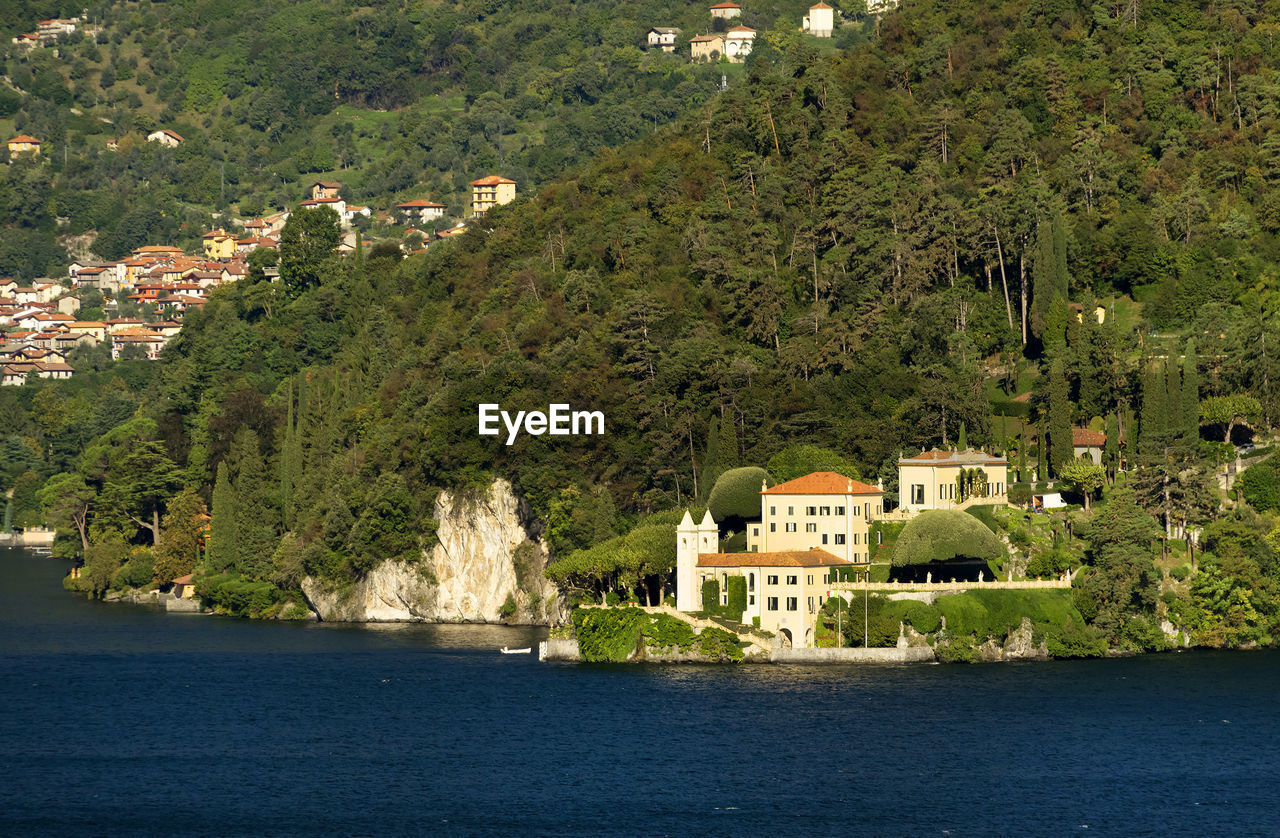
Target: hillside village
40 323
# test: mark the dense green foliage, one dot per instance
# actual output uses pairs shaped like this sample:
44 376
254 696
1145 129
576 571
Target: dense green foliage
735 497
942 534
614 635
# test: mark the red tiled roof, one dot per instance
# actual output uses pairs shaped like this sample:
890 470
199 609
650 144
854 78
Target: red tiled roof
420 203
819 5
822 483
784 558
328 184
1085 438
491 180
702 38
726 6
24 138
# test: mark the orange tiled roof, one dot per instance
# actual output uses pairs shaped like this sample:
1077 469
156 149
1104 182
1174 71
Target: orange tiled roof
823 483
1085 438
784 558
491 180
25 138
420 203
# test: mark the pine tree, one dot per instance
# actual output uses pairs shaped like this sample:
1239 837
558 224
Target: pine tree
223 549
1060 447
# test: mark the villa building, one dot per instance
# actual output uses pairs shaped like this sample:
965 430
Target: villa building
491 191
820 22
709 47
1087 443
165 137
663 37
785 590
820 511
325 190
932 480
738 42
725 11
421 212
24 144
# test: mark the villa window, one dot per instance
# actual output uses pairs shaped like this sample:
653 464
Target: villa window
792 580
810 605
773 510
839 510
811 510
791 510
810 578
824 538
791 527
771 603
773 527
824 510
839 538
793 604
810 527
751 581
917 493
751 599
855 538
771 580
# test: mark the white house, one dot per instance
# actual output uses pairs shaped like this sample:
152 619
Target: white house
663 37
165 137
738 42
820 22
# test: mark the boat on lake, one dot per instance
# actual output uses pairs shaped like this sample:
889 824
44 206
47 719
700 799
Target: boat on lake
504 650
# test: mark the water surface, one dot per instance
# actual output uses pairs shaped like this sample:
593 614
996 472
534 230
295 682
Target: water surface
124 719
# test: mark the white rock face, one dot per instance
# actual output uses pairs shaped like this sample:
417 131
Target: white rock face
466 578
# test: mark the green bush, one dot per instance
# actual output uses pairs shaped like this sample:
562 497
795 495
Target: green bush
736 494
799 460
294 611
1258 485
1074 639
941 534
137 572
608 634
984 513
956 649
737 597
611 598
664 631
508 608
1019 494
719 645
880 572
711 597
1181 572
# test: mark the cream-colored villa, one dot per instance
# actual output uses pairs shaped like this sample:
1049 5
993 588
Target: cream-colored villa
823 510
785 589
929 480
814 526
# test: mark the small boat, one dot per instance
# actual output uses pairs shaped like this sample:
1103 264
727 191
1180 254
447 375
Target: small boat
504 650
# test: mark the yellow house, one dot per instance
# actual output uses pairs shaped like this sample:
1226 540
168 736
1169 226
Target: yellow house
491 191
933 480
219 245
820 511
183 588
709 47
24 144
324 190
785 590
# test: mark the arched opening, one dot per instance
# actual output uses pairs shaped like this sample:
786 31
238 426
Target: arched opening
808 637
786 637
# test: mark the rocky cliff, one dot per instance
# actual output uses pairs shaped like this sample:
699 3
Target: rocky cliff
484 563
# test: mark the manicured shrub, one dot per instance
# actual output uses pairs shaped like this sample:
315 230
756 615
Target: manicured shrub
984 513
1019 494
736 495
941 534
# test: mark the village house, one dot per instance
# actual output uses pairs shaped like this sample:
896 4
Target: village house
150 342
24 144
165 137
738 42
336 204
350 213
420 211
663 37
1087 443
219 244
820 22
940 479
784 589
706 47
491 191
325 190
823 510
725 11
456 230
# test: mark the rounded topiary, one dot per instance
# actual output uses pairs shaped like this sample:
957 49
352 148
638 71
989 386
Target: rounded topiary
736 494
942 534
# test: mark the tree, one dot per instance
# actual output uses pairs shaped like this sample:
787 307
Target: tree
307 243
1061 450
178 552
736 495
1122 580
26 500
223 549
942 534
1229 411
799 460
141 479
1084 476
66 499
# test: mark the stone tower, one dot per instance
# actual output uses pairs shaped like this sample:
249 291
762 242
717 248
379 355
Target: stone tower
692 539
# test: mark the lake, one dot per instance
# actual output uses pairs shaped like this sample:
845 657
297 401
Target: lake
123 719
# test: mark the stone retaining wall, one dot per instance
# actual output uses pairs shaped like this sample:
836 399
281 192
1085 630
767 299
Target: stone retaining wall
559 649
900 654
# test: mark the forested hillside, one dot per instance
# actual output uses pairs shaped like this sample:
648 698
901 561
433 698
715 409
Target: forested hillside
868 250
396 101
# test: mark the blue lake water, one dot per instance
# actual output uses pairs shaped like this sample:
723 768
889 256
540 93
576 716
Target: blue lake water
118 719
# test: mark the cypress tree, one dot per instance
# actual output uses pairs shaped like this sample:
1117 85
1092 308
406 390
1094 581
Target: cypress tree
1060 448
962 444
1191 393
1151 427
286 454
255 516
728 441
1048 270
710 461
1173 424
223 548
1111 448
